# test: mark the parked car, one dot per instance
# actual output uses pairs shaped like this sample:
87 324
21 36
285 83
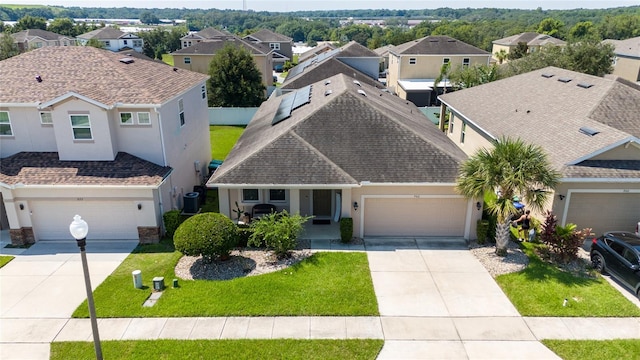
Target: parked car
638 229
618 253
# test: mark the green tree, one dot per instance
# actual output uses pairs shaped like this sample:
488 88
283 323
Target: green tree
583 30
501 56
235 80
466 77
620 27
519 51
63 26
8 48
590 57
31 22
147 17
95 43
552 27
510 168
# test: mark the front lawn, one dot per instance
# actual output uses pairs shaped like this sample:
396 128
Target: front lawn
4 260
325 284
540 290
627 349
222 140
221 349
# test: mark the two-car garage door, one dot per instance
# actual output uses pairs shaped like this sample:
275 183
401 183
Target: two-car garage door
414 216
107 220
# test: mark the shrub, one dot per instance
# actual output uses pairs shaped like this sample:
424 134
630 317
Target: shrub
346 229
244 234
482 231
563 241
207 234
172 219
279 231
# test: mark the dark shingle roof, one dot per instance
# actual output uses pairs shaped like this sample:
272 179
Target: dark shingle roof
316 50
105 33
94 73
211 47
266 35
45 168
437 45
607 169
323 70
21 36
344 137
354 49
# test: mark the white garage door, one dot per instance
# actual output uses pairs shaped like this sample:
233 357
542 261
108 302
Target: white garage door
108 220
414 217
604 212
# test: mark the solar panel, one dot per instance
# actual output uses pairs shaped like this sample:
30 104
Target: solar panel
284 110
296 70
302 97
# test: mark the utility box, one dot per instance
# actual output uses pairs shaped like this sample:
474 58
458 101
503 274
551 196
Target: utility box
158 283
137 279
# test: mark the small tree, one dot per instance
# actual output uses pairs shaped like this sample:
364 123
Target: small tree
207 234
562 241
7 47
346 229
278 231
235 80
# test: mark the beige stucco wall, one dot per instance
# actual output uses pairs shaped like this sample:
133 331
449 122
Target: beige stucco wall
629 151
496 48
627 68
429 66
473 140
200 63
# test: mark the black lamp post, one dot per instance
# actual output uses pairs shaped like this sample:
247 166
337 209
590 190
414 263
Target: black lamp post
79 229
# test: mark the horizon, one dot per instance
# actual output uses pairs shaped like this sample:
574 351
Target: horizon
331 5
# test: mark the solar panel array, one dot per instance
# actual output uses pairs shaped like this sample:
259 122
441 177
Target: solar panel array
291 102
303 65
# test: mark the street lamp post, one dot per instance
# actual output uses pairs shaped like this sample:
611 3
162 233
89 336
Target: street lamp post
79 229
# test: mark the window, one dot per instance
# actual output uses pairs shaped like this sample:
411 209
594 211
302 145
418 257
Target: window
5 124
446 60
451 124
276 195
137 43
412 61
274 46
462 130
204 92
126 118
107 43
250 195
144 118
81 127
38 45
181 111
125 42
187 60
46 118
466 62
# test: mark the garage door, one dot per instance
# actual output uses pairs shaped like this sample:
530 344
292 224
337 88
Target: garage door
414 217
604 212
108 220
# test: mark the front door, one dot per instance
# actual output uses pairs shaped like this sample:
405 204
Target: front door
322 203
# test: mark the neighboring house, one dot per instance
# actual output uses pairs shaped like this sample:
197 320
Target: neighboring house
86 131
351 59
626 63
534 42
203 35
339 148
281 45
113 39
315 51
383 53
36 38
415 65
589 127
198 56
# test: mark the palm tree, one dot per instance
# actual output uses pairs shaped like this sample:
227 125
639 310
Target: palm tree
510 168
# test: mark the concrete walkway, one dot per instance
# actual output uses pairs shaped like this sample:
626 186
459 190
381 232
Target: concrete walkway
436 301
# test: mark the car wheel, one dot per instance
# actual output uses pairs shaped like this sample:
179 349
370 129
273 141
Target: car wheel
598 263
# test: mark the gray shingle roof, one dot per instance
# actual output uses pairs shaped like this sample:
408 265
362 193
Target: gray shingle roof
316 50
628 47
606 169
530 38
550 113
211 47
105 33
45 168
21 36
354 49
341 138
94 73
266 35
323 70
437 45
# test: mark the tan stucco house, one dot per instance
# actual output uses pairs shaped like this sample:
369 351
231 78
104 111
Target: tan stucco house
86 131
534 42
113 39
589 127
209 33
340 148
415 65
281 45
626 63
37 38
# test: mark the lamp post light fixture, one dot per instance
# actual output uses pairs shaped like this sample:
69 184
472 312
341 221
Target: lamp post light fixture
79 229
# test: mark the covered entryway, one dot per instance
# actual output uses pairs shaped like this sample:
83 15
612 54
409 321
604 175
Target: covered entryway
108 220
603 211
414 216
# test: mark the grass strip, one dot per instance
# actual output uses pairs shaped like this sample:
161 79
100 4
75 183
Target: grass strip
621 349
4 259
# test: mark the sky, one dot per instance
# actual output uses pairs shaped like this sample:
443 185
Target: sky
295 5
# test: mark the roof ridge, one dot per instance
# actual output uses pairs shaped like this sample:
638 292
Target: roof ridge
323 156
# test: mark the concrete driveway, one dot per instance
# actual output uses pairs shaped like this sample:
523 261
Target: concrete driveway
43 285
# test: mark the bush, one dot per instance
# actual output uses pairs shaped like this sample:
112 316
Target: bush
244 234
563 241
278 231
482 231
346 229
172 220
207 234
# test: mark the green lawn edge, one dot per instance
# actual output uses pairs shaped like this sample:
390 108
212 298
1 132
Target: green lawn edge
5 259
357 349
540 290
619 349
223 138
325 284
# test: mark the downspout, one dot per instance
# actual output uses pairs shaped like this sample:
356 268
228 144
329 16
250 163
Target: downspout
164 155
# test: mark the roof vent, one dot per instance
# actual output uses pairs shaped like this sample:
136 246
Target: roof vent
327 82
357 82
564 80
589 131
126 60
361 92
328 92
547 75
584 85
175 69
38 78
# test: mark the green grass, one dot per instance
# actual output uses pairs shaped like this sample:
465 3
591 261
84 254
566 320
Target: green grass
325 284
221 349
168 59
21 6
4 260
222 140
627 349
540 289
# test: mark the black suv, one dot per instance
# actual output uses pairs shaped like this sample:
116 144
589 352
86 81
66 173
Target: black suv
618 253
